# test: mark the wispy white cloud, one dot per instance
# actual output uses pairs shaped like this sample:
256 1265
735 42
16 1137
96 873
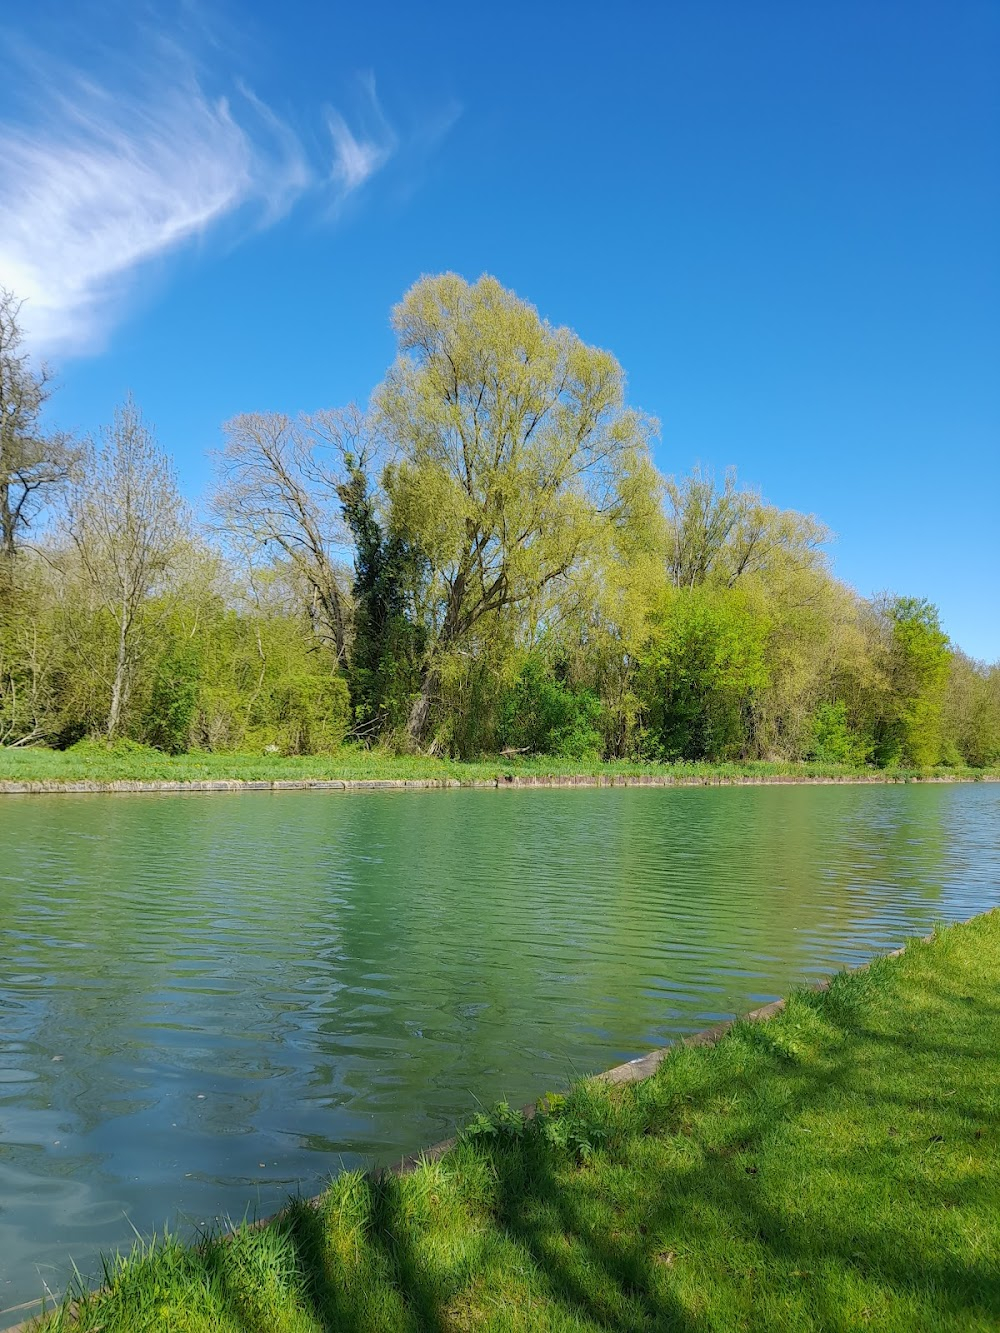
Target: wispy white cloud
110 180
356 157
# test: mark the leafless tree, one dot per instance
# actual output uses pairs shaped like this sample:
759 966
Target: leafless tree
34 463
277 491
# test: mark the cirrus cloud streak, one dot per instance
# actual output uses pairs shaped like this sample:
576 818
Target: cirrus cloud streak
108 181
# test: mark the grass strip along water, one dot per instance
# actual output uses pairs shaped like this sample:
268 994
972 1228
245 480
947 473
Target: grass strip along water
95 767
837 1167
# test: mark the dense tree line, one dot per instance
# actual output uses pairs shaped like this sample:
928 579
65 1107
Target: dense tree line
484 560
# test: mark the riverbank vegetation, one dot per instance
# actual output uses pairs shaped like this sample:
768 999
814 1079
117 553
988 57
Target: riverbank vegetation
95 762
482 562
835 1168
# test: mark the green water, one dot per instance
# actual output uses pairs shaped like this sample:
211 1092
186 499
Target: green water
210 1002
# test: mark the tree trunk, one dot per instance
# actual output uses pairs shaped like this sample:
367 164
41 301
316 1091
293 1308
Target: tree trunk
6 520
417 724
8 549
119 687
334 614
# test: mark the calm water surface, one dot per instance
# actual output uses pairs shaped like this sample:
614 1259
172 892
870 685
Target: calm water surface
209 1002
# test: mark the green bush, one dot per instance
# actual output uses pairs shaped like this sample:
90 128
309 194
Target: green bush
301 713
172 701
543 715
701 667
833 741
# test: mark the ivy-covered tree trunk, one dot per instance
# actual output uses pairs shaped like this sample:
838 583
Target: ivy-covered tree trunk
382 668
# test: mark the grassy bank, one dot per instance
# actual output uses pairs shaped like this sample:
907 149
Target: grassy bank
836 1168
97 764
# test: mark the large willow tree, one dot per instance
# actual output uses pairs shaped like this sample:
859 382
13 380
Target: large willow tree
514 450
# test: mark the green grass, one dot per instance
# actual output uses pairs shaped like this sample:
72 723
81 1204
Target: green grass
835 1169
90 762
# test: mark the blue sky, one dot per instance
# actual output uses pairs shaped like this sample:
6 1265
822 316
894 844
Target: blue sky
782 218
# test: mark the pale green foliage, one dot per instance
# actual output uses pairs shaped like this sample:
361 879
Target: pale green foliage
720 534
30 653
910 728
209 666
971 712
813 649
127 522
514 450
263 689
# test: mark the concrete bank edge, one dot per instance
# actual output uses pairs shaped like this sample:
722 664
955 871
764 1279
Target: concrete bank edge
503 782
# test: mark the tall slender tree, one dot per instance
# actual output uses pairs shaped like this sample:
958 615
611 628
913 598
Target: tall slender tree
126 519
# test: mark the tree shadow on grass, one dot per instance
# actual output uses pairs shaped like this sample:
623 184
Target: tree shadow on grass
535 1203
598 1278
388 1287
333 1303
574 1265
